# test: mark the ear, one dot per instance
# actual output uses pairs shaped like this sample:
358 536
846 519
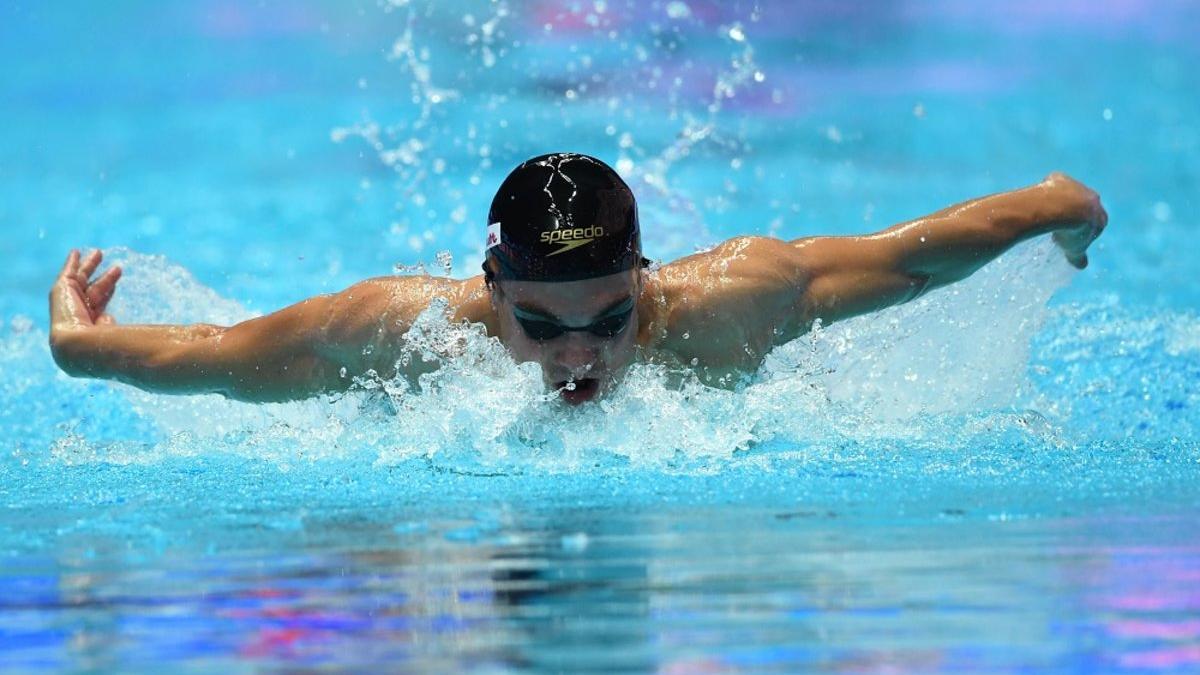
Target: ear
493 296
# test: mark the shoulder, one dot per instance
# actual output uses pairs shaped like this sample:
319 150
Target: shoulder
389 304
723 306
741 268
745 257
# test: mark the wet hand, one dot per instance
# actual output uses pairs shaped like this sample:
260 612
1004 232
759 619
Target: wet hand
1075 237
76 301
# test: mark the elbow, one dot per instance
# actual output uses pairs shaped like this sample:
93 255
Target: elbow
920 284
67 349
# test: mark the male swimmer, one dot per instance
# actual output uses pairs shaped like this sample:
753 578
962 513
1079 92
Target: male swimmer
565 285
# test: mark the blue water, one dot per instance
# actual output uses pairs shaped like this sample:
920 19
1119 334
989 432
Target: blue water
1000 477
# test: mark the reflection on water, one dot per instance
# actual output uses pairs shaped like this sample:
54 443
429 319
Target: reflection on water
678 590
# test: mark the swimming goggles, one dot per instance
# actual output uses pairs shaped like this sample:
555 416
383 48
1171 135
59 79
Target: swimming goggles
541 328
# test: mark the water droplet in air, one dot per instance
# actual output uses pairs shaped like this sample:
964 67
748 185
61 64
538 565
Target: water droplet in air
1162 212
678 10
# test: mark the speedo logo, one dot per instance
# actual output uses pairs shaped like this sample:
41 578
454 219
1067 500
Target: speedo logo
572 238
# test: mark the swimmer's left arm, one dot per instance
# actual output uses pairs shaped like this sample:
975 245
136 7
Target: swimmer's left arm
750 294
847 276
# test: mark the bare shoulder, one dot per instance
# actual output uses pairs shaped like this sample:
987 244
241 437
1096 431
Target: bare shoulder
380 310
735 261
722 307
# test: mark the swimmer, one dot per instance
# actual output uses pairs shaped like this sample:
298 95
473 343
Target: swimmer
565 285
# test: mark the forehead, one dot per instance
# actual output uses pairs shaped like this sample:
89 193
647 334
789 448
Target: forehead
567 298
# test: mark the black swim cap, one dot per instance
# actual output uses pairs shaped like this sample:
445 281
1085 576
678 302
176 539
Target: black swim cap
562 217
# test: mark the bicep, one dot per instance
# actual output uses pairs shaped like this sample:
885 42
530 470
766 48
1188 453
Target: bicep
269 358
295 352
848 276
366 325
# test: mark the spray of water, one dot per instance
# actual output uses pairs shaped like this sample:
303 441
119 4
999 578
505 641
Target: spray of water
934 372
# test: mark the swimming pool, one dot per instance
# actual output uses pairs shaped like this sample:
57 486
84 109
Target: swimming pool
1001 477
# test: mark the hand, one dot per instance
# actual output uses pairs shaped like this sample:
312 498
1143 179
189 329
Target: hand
77 302
1075 237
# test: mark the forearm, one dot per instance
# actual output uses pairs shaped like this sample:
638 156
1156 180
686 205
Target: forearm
847 276
247 362
134 354
953 243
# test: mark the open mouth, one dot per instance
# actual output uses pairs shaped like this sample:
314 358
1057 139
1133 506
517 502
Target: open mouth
578 391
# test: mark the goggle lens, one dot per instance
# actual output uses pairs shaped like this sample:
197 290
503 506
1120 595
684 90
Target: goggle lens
607 327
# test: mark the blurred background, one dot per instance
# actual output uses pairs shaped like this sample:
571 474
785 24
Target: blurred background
280 149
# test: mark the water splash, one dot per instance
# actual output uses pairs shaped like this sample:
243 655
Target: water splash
443 132
933 373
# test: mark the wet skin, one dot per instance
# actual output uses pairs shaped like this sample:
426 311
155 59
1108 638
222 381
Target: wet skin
718 312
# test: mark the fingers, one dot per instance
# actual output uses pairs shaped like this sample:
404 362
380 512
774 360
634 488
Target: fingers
71 265
101 291
1074 250
90 264
106 320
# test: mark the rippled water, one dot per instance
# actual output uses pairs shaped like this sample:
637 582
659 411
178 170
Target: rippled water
1000 477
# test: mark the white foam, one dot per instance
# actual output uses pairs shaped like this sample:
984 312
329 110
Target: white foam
1183 335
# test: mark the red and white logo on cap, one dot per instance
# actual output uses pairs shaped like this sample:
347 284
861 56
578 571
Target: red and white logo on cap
493 236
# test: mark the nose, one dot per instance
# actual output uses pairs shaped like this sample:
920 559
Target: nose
576 354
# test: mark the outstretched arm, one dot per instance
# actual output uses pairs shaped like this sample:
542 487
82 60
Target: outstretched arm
750 294
847 276
296 352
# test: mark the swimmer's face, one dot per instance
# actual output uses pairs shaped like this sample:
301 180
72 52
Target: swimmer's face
533 315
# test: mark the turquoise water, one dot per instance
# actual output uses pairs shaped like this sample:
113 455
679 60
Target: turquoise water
1000 477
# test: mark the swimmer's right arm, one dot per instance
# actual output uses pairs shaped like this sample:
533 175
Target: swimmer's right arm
297 352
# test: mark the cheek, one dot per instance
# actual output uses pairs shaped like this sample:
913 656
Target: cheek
621 351
528 350
519 346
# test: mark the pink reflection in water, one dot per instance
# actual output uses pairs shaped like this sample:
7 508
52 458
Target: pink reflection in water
1162 658
1155 602
1162 630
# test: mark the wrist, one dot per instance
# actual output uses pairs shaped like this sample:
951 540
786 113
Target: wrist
1075 203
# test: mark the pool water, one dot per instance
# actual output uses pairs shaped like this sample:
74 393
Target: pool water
1001 476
